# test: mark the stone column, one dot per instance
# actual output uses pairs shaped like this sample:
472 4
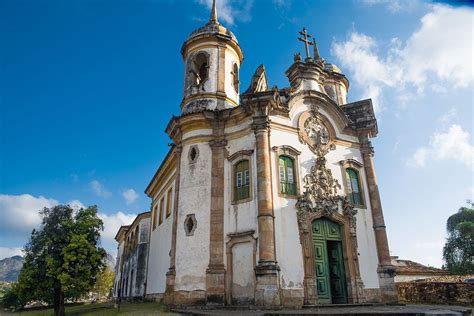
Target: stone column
267 288
171 274
215 273
385 269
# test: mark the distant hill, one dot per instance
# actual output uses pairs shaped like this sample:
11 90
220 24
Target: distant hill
10 268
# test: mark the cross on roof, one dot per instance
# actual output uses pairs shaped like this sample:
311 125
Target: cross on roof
306 39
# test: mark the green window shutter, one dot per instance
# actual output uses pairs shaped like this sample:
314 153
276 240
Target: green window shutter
353 186
242 180
287 175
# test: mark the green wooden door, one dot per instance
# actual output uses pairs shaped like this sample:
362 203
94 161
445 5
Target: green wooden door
336 272
328 262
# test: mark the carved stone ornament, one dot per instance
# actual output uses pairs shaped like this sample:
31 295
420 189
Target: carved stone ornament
314 132
320 187
320 198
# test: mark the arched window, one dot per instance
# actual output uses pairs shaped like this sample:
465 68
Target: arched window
353 186
241 180
198 72
286 169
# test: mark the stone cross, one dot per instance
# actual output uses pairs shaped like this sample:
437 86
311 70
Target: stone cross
306 40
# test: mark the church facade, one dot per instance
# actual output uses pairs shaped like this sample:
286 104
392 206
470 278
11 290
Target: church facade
267 197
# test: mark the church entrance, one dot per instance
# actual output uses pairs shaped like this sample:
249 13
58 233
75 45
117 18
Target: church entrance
329 262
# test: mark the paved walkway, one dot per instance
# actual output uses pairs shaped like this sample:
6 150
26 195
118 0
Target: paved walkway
411 310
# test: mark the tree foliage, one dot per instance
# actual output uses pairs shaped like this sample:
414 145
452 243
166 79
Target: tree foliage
63 257
104 283
458 253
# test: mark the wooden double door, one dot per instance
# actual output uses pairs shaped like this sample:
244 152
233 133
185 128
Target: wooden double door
329 262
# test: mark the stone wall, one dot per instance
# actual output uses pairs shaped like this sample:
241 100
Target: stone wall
436 293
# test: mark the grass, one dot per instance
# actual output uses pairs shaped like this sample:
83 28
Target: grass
105 309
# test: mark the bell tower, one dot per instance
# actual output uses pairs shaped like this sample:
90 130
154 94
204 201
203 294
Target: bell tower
212 58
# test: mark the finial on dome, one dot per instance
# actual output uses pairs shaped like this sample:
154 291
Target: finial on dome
213 19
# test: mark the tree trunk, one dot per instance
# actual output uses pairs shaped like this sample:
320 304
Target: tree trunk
58 302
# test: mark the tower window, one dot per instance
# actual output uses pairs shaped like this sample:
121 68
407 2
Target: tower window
241 180
353 187
286 167
199 69
235 77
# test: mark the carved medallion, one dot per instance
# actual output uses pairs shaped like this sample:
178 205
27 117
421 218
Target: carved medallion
313 131
316 131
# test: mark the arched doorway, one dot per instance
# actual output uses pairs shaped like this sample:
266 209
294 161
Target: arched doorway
331 286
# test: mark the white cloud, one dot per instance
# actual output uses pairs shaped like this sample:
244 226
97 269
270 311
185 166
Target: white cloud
130 196
6 252
76 205
438 55
20 213
452 144
393 6
230 10
99 189
112 223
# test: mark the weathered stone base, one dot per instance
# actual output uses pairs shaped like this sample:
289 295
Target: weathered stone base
292 298
215 281
155 297
197 297
267 290
388 292
372 295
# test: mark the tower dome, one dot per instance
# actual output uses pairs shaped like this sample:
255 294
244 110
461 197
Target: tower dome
212 58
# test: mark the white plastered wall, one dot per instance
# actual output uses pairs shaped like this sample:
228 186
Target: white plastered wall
192 252
160 243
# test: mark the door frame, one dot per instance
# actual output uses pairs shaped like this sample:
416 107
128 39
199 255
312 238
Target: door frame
354 284
238 238
327 240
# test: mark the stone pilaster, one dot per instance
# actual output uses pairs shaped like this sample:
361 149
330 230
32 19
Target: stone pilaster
171 274
385 269
267 291
215 273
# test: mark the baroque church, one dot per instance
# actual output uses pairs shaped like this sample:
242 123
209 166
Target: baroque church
267 197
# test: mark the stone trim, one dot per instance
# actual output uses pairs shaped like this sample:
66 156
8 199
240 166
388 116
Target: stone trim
237 238
289 151
267 291
354 164
239 154
215 273
385 269
171 274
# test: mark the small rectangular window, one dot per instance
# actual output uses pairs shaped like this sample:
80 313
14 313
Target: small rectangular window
290 175
168 203
162 202
242 180
282 173
239 179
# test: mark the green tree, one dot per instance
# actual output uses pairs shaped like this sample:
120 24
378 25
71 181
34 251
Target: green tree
63 257
105 281
458 253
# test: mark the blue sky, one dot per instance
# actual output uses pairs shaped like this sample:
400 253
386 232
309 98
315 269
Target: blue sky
87 88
